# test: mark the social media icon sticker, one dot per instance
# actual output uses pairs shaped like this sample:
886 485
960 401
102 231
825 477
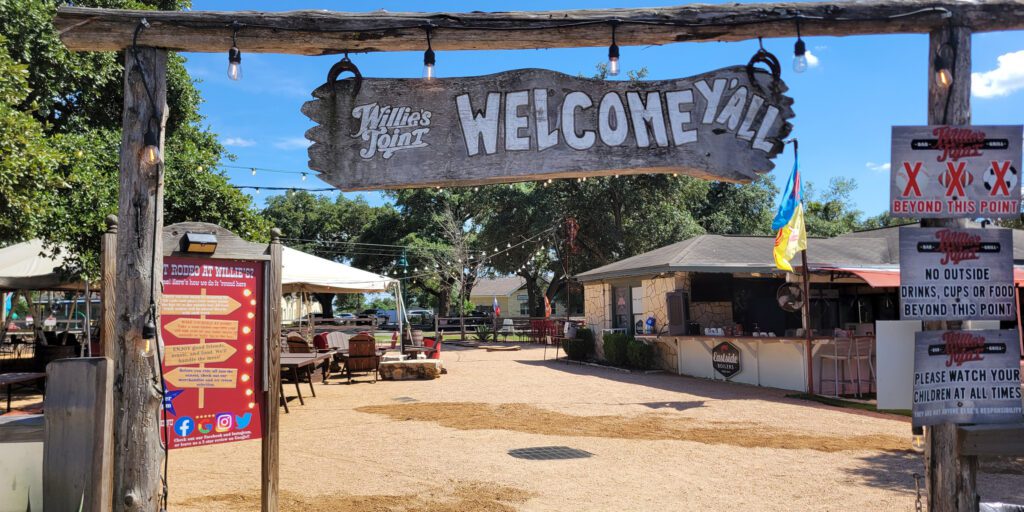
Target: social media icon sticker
243 421
184 426
205 429
224 422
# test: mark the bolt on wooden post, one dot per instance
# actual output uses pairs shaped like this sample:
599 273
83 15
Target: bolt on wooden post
138 456
950 479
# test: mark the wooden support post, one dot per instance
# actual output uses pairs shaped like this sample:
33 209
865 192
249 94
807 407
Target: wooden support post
78 446
138 456
272 383
950 479
108 272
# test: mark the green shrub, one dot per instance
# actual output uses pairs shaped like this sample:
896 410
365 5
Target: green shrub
577 349
485 333
615 348
585 334
640 354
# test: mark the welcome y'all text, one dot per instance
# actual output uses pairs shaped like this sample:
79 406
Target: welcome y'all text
648 119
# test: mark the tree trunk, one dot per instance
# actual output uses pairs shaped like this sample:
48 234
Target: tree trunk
326 301
138 457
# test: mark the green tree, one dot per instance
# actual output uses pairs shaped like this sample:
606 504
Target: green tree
28 160
832 213
77 99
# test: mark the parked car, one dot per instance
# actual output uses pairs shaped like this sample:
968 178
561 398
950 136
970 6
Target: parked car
372 317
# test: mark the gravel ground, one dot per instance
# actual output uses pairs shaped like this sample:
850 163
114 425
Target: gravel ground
657 443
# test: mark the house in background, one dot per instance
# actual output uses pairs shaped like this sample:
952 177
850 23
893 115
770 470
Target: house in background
511 295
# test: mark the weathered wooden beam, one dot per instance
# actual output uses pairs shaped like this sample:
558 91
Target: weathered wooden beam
325 32
1003 440
78 450
270 457
138 457
108 269
950 478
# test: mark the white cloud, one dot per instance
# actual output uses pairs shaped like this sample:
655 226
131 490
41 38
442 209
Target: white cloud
878 167
812 59
240 142
1007 77
293 143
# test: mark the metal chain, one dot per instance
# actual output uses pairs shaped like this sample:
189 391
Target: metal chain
918 507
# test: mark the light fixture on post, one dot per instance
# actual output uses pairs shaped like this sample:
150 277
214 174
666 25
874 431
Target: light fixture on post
613 53
234 54
799 51
428 56
151 154
943 65
199 243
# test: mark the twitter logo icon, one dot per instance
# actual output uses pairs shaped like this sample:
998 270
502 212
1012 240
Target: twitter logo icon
243 420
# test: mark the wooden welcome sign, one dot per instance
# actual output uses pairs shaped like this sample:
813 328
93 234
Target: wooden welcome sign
535 124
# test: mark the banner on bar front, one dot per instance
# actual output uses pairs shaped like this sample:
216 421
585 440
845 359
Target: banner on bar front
966 377
955 171
956 274
536 124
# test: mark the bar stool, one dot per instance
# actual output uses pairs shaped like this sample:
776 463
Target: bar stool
841 358
863 351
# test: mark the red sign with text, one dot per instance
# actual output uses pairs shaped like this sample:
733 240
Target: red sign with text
211 320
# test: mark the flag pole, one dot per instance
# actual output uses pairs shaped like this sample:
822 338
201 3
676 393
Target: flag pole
806 274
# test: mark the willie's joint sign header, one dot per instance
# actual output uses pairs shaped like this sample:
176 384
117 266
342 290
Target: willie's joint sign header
955 171
534 124
956 274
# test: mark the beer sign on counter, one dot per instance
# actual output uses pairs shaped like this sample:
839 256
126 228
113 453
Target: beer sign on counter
956 274
967 377
955 171
725 358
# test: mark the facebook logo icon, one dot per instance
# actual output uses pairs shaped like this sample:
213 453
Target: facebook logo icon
184 426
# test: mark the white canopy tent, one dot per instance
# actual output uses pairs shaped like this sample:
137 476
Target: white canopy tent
24 267
304 273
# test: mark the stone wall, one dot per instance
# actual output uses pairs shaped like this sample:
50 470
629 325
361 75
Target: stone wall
597 311
711 314
655 303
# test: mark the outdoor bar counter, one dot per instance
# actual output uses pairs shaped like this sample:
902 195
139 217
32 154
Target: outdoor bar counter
778 362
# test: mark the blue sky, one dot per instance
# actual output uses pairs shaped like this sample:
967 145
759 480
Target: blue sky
844 105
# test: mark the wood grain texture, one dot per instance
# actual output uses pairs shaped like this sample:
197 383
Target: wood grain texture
992 440
138 457
269 468
78 450
326 32
108 272
229 245
535 124
950 479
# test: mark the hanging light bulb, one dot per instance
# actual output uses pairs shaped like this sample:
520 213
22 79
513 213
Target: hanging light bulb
508 245
799 52
943 66
303 176
257 191
151 149
613 53
234 54
917 442
253 170
428 58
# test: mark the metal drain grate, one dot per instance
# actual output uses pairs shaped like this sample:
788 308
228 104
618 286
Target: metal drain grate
404 399
549 453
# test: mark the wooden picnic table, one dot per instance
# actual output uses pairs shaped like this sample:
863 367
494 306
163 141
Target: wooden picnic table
301 363
20 378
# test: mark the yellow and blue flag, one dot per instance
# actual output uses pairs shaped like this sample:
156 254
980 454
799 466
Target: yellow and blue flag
791 234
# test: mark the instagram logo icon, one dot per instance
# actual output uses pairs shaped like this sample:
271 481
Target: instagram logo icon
224 422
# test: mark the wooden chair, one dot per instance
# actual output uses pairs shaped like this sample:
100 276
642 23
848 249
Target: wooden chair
362 356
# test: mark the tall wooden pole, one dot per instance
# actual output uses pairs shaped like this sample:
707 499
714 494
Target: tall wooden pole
108 272
138 456
271 407
808 335
950 479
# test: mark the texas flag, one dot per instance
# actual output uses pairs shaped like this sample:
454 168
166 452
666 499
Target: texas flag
497 308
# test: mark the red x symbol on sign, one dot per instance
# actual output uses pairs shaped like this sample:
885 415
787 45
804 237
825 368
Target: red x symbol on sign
1000 183
955 179
912 179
